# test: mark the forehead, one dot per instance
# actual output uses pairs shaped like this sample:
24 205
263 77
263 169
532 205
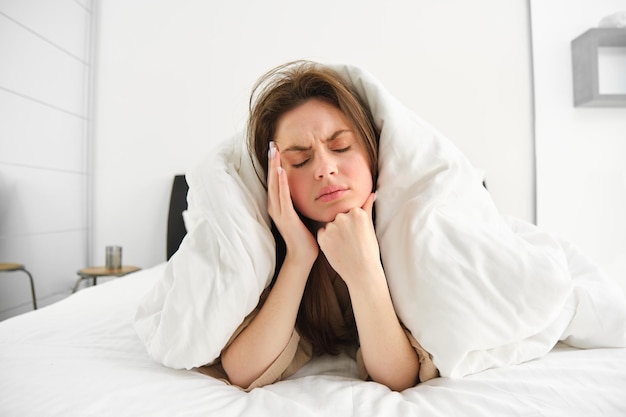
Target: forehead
315 119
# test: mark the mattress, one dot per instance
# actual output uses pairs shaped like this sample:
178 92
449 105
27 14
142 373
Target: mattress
82 357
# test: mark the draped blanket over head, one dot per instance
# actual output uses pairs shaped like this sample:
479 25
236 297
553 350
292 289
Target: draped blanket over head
476 289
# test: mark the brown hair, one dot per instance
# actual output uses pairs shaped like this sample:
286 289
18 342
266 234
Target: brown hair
277 92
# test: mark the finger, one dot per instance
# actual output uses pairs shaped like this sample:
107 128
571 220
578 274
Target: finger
284 194
272 180
321 237
369 204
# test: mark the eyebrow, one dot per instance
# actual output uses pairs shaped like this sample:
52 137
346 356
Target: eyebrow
298 148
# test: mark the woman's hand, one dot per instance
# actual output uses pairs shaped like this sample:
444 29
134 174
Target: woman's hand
299 241
350 245
269 332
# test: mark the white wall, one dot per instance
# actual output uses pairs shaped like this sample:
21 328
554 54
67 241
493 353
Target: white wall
174 78
44 68
581 163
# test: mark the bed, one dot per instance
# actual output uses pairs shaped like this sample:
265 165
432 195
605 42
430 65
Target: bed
82 357
131 346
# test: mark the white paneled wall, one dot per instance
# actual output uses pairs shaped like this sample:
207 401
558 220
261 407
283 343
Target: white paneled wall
45 50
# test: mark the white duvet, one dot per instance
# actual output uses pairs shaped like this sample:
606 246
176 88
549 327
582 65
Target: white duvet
477 289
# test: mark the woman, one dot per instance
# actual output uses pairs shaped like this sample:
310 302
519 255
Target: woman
317 146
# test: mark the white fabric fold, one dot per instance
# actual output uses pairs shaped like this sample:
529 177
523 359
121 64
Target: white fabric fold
476 289
223 264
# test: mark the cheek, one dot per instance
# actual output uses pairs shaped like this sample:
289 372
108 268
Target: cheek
360 170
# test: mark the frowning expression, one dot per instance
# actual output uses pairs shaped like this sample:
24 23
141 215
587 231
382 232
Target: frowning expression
325 161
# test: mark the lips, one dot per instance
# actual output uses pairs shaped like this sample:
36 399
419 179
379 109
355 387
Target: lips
330 193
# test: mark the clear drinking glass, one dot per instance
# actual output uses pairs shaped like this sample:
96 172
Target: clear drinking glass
113 257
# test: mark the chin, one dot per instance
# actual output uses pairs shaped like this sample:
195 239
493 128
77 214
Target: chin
331 213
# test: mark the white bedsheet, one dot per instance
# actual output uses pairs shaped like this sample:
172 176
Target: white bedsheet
82 357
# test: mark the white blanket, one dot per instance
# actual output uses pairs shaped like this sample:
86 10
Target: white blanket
476 289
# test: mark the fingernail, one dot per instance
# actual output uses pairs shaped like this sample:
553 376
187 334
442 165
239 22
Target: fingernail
375 196
280 170
272 151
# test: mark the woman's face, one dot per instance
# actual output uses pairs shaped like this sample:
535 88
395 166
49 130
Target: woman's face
325 162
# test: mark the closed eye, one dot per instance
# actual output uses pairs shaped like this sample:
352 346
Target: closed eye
347 148
303 163
300 164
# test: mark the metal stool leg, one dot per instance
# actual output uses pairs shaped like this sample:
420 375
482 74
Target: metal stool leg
32 287
77 284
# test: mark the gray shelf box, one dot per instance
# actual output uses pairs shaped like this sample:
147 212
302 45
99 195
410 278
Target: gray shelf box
585 67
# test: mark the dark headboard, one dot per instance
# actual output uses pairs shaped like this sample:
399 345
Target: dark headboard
175 224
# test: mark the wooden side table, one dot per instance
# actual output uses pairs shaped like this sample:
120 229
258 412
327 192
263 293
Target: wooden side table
10 267
94 272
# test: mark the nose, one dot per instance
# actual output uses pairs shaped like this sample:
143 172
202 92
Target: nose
326 165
